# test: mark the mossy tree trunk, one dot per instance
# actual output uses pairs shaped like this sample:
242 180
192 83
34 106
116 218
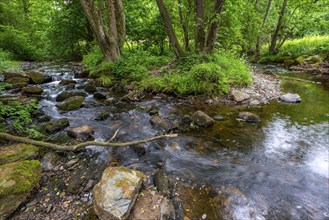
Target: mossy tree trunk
107 22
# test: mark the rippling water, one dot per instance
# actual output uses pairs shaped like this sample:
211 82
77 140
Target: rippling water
281 164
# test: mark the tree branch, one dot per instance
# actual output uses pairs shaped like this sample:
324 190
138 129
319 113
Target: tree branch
80 146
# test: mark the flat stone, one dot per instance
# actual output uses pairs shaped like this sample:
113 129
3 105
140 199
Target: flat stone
115 194
15 86
290 98
17 152
18 80
82 132
14 73
239 96
100 95
67 82
32 89
202 119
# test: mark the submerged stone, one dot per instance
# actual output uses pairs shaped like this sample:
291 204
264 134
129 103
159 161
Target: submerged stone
17 152
159 123
16 181
49 161
116 192
83 132
202 119
249 117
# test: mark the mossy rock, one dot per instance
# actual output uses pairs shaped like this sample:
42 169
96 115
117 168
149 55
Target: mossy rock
71 103
18 80
14 73
32 89
15 86
288 61
16 181
17 152
56 125
65 95
38 77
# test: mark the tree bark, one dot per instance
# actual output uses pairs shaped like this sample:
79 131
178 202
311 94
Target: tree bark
200 34
109 33
170 30
80 146
258 43
184 25
214 25
274 40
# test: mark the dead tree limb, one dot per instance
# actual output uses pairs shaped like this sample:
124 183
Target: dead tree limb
79 147
293 78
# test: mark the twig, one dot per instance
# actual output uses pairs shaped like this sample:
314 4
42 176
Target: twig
115 134
297 79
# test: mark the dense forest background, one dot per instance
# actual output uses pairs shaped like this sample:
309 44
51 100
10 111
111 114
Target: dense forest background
42 30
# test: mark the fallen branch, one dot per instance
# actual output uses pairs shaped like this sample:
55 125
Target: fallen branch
80 146
293 78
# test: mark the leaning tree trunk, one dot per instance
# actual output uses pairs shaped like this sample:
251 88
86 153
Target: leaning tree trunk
184 24
107 23
170 30
214 25
274 40
258 44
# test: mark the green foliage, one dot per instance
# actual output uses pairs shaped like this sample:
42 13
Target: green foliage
18 114
93 60
6 61
202 74
292 49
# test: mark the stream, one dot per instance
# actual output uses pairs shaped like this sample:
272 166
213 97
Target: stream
281 165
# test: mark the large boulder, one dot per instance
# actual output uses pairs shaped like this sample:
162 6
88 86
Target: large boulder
67 94
239 96
71 103
290 98
249 117
14 73
38 77
116 192
202 119
32 89
16 181
56 125
17 152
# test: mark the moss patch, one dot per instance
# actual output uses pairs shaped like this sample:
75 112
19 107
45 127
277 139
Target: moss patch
17 152
19 177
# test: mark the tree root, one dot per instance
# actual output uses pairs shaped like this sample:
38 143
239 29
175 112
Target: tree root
80 146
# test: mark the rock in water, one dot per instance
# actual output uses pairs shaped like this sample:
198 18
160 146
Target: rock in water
32 89
17 152
249 117
290 98
65 95
71 103
202 119
239 96
83 132
38 77
56 125
49 161
16 181
116 192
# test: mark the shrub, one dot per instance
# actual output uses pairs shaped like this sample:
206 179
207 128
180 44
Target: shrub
6 61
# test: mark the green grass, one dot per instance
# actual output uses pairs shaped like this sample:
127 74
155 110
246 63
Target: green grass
293 49
197 74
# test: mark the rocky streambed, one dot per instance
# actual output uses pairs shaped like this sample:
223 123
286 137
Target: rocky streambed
242 156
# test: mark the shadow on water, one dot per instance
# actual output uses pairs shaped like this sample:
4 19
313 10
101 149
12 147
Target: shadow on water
280 164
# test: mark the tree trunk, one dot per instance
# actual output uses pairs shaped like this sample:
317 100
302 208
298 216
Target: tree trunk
258 44
200 34
184 25
109 33
170 30
214 25
274 40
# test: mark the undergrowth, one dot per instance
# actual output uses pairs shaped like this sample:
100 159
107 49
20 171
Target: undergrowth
293 49
197 74
16 115
6 61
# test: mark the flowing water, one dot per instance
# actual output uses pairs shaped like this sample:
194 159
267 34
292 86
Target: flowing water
280 164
